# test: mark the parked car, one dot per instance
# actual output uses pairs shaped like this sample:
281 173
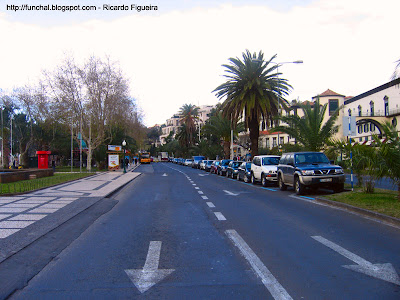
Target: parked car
202 164
309 169
207 166
188 162
214 166
232 169
264 168
196 161
244 172
223 166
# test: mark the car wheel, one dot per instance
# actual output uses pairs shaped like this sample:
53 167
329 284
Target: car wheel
238 177
263 180
227 174
232 175
298 186
282 186
253 179
245 178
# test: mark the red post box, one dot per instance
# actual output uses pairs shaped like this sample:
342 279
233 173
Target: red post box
43 159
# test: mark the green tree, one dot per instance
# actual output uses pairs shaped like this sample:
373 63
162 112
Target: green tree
253 91
220 127
189 115
309 130
389 153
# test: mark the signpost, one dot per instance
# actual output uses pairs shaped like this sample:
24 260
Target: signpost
350 131
113 156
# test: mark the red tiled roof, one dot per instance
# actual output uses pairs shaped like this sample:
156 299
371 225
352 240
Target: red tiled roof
329 92
267 132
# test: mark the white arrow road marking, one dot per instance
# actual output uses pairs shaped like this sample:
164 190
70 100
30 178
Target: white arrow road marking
150 275
381 271
274 287
165 174
230 193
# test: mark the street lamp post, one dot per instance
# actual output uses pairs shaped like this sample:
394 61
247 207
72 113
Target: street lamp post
123 159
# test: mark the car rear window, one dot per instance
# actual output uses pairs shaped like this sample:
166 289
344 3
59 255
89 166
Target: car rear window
270 161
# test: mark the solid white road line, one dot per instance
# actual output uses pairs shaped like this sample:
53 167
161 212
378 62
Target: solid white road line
210 204
274 287
220 216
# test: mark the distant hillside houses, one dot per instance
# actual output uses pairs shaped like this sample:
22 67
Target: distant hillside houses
173 123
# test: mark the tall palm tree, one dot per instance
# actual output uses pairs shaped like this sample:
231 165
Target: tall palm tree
309 130
220 127
253 91
189 115
396 73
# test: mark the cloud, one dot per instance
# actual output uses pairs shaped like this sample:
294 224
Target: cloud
175 57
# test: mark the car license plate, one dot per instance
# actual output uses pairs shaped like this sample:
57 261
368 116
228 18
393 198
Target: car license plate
326 180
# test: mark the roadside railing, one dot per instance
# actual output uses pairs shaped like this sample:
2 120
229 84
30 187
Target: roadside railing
24 186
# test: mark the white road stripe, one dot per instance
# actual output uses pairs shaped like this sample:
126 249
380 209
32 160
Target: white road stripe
269 281
220 216
204 197
210 204
200 192
197 188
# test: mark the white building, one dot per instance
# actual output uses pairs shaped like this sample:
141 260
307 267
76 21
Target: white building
371 109
173 123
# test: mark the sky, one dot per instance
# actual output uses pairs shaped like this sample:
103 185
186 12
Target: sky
174 55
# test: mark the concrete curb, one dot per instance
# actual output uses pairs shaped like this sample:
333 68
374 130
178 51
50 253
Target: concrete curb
365 212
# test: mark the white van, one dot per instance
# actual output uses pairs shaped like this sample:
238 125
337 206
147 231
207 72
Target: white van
264 168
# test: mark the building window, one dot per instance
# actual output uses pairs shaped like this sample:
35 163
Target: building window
274 142
386 100
371 104
333 105
366 139
359 111
359 129
282 140
365 127
349 112
267 143
371 127
360 139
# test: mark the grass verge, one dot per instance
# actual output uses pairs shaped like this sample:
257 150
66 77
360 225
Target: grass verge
382 201
39 183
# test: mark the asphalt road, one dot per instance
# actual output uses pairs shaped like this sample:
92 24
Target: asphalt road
180 233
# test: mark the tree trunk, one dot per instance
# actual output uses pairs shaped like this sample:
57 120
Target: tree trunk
254 134
227 149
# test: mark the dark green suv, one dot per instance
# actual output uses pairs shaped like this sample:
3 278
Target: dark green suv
309 169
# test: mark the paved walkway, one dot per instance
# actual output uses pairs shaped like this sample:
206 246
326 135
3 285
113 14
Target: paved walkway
20 212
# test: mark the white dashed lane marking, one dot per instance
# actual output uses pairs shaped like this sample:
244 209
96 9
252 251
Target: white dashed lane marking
220 216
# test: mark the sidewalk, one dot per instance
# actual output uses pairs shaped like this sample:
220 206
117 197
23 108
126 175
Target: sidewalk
25 218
